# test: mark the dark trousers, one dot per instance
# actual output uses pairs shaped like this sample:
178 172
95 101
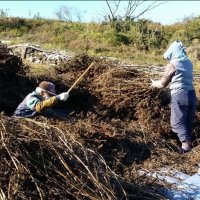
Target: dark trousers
183 107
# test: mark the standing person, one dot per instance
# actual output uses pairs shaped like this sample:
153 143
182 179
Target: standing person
179 76
41 102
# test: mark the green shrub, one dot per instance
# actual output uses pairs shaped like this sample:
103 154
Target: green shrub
119 38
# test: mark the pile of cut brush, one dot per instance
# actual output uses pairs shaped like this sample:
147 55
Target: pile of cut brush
117 125
40 161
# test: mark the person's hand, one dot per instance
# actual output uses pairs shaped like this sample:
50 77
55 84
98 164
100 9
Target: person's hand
63 96
156 84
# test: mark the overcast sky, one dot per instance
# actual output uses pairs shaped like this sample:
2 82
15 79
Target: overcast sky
167 13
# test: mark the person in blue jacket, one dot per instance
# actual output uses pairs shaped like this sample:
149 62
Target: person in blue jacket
41 102
178 76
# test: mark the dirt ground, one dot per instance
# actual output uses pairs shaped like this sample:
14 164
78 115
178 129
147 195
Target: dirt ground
113 111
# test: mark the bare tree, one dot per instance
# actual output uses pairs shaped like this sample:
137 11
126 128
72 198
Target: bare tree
4 13
78 14
69 14
130 10
113 9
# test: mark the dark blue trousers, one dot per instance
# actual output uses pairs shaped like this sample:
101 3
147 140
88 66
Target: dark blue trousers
183 108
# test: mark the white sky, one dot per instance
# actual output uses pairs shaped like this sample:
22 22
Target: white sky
167 13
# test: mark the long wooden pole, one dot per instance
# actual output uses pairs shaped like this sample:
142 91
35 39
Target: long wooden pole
75 83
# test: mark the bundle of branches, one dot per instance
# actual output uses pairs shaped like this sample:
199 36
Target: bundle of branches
44 161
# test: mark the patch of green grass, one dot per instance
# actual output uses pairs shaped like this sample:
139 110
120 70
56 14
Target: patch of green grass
143 42
36 69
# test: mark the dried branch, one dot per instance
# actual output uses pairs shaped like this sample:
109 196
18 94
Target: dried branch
130 9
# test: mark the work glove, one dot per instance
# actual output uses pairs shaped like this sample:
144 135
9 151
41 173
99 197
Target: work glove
63 96
156 84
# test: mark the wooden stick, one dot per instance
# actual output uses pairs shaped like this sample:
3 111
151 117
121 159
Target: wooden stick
75 83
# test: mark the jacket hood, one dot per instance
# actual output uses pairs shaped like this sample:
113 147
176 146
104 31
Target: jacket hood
176 51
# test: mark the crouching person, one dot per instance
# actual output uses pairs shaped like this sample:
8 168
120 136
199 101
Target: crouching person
41 102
